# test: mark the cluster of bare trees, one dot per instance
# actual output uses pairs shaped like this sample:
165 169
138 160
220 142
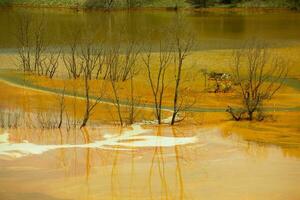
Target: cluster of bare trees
109 64
39 119
9 119
83 60
121 68
258 75
95 61
157 77
172 54
33 55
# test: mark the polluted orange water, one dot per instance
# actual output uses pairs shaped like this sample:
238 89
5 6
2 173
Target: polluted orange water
144 162
206 155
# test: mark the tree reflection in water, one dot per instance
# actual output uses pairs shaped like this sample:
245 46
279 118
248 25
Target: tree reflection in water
88 165
159 160
114 181
124 172
165 181
119 174
86 136
125 175
178 156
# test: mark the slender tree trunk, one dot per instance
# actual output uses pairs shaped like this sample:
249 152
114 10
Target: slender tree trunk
60 120
87 106
85 120
176 91
117 102
62 108
87 112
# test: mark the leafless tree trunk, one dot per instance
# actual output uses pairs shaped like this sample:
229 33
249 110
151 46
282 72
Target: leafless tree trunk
62 107
157 80
258 74
117 100
74 114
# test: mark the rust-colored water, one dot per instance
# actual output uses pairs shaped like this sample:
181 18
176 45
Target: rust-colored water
217 165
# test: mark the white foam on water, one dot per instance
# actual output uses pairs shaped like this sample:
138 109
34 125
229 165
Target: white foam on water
137 137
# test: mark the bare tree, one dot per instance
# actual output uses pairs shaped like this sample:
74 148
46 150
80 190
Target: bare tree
71 59
117 102
74 117
183 43
50 64
113 64
121 67
157 78
258 75
23 36
133 101
128 67
89 58
39 47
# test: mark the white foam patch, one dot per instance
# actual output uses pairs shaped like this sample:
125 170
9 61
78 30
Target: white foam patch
132 138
